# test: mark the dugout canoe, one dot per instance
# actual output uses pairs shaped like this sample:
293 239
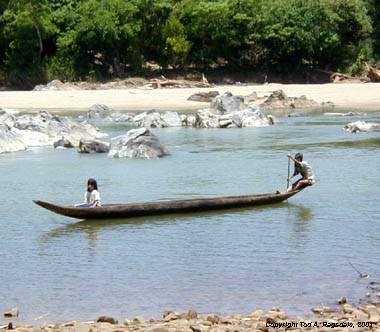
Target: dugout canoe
110 211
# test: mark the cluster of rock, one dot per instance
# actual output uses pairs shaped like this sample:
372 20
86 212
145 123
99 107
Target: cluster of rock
343 318
225 111
136 144
102 114
361 126
279 100
20 132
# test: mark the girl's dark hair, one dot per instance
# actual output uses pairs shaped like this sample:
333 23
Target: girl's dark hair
299 156
93 183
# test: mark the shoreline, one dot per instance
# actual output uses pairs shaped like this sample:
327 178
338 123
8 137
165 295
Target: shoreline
343 317
345 96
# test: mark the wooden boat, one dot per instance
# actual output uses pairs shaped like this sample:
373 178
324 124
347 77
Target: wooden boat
110 211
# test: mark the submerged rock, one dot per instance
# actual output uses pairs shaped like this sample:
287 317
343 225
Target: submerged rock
137 143
344 114
361 126
93 146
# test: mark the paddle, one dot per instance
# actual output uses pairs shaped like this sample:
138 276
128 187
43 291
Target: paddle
288 173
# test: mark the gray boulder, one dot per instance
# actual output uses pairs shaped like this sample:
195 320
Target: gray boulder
122 117
42 129
279 100
154 119
171 119
248 117
10 141
190 120
151 119
227 103
99 112
206 119
103 113
137 143
54 85
93 146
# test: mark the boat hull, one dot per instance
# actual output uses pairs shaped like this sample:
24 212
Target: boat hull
113 211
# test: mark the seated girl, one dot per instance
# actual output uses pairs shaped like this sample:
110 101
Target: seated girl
91 196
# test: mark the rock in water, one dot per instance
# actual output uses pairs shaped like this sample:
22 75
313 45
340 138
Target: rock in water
14 312
107 319
279 100
206 119
154 119
151 119
99 112
171 119
53 127
137 143
248 117
361 126
205 97
227 103
10 141
63 143
93 146
42 129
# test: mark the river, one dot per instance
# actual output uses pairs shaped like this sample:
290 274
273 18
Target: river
294 255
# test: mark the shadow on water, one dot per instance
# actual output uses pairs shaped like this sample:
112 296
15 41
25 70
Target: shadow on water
93 227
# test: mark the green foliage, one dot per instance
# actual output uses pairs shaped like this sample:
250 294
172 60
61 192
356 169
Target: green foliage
27 27
97 39
100 36
175 45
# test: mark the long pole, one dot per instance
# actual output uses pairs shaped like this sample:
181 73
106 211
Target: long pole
288 174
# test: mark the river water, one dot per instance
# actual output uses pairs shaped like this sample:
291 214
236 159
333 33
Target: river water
293 255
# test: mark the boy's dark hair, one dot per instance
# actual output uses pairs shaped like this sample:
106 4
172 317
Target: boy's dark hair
298 156
93 183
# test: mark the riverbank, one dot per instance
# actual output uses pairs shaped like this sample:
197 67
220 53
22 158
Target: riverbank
353 96
344 317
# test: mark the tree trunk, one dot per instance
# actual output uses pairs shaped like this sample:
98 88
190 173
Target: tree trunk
36 26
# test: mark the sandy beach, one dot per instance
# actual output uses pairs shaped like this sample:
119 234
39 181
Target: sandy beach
353 96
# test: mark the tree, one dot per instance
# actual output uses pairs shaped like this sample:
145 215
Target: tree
102 38
27 26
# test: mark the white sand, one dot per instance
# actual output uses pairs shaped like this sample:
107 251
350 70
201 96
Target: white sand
352 96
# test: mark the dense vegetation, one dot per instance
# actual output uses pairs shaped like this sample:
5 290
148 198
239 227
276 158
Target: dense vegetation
101 39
